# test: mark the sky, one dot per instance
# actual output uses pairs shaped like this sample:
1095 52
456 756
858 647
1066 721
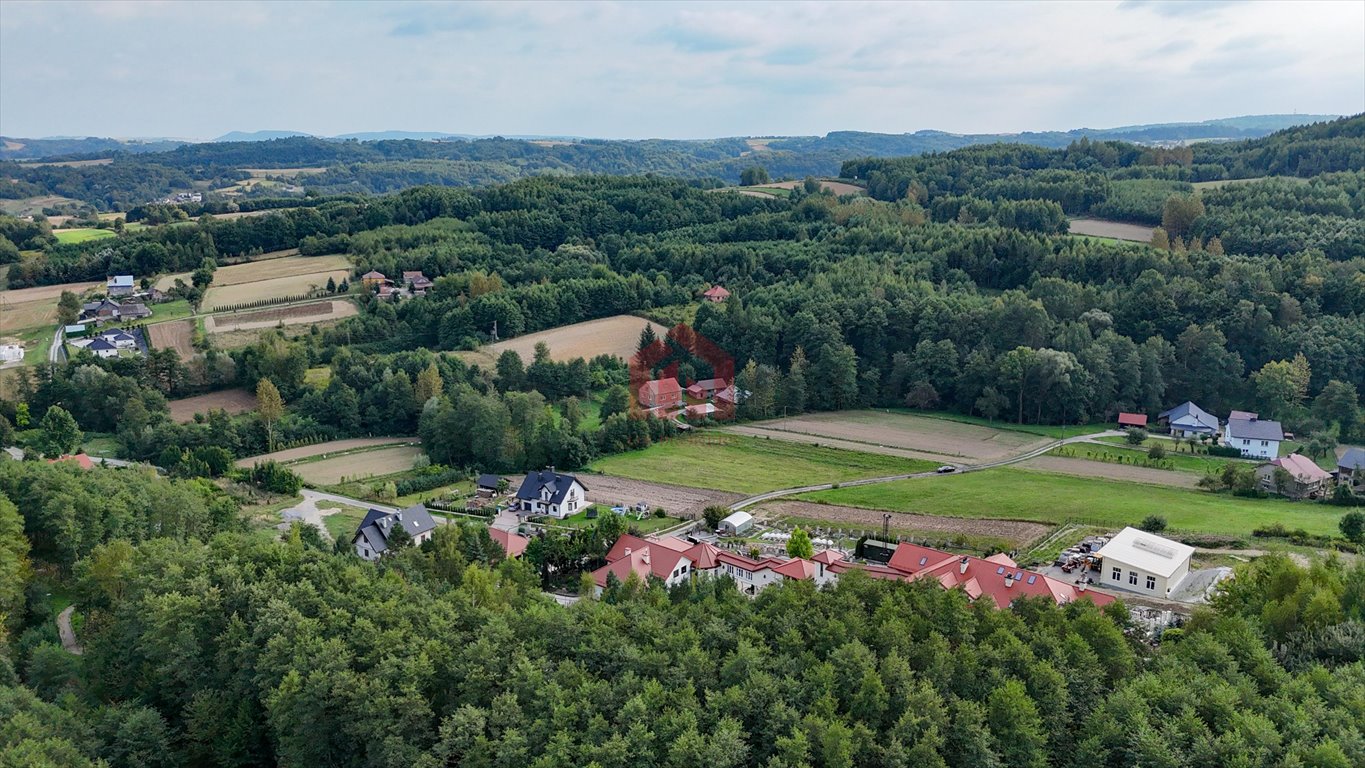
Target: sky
666 70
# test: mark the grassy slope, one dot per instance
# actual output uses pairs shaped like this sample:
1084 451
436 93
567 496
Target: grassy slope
1181 462
80 235
1043 430
749 464
1022 495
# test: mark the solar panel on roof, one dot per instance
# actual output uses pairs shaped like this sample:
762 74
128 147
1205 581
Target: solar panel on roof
923 560
999 570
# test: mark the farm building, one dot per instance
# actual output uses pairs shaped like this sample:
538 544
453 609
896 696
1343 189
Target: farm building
1254 437
716 293
1143 562
1301 479
706 388
1350 462
10 353
487 485
1132 420
75 331
119 285
660 393
371 539
133 310
551 493
1189 420
735 524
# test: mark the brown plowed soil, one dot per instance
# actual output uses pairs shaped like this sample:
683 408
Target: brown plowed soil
677 500
234 401
871 519
873 429
173 335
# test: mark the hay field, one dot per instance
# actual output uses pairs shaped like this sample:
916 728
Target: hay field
837 187
277 278
383 461
264 268
872 429
34 307
298 314
261 173
234 401
173 335
619 336
1119 230
323 449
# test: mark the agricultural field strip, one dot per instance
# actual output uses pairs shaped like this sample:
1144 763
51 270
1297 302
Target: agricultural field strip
379 462
929 435
1019 533
618 335
813 438
332 447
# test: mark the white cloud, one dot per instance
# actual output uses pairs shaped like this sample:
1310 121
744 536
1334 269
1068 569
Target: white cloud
665 69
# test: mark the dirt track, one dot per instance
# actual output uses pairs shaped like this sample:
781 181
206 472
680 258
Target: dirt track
1087 468
871 519
677 500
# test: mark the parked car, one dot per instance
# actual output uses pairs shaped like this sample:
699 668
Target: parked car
945 469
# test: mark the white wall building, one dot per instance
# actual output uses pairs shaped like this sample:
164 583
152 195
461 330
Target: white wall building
1254 437
10 353
551 493
1143 562
735 524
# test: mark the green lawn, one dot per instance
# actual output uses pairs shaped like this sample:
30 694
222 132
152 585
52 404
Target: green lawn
100 444
80 235
170 310
750 464
462 488
1113 454
1044 430
648 524
41 340
1014 494
341 525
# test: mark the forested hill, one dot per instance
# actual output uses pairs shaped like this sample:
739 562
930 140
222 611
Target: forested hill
136 177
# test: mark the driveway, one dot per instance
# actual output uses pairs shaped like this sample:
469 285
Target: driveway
307 511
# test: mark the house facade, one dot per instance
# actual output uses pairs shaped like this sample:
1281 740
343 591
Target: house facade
1137 561
371 539
1301 479
1189 420
1254 437
119 285
1349 463
660 393
551 493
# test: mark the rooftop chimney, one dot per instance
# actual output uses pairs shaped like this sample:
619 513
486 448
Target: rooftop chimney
627 551
644 556
962 565
1009 580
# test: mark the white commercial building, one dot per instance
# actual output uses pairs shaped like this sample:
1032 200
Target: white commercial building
735 524
1144 562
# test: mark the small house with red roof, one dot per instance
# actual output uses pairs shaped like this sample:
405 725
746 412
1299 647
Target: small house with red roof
373 279
513 545
660 393
79 459
1132 420
706 388
716 294
1301 479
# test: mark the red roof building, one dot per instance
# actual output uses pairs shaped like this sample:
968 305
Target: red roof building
513 544
81 460
716 293
1137 420
660 393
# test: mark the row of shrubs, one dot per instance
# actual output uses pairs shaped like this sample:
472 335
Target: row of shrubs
433 476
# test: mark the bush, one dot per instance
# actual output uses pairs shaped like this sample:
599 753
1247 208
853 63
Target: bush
1135 436
1225 451
275 478
1156 453
659 512
430 477
1153 524
1352 526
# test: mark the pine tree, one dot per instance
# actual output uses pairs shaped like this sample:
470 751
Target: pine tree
647 337
793 387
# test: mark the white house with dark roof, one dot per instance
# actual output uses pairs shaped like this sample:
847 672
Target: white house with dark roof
1350 462
1254 437
551 493
102 348
1189 420
371 539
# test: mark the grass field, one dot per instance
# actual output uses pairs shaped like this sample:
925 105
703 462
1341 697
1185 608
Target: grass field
1118 230
81 235
264 267
343 523
375 463
749 464
619 336
1013 494
649 524
1180 462
333 447
29 308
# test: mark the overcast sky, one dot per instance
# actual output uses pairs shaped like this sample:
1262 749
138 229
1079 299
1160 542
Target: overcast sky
627 70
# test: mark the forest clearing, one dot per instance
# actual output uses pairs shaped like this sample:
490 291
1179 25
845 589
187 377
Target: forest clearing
322 449
369 463
1118 230
619 336
264 267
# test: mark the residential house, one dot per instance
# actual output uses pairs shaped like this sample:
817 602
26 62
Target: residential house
1350 462
105 309
373 279
418 282
996 578
119 285
551 493
512 544
10 353
716 294
487 486
79 459
660 393
371 539
102 348
735 524
133 310
1301 479
120 339
729 396
644 558
1254 437
706 388
1132 421
1143 562
1189 420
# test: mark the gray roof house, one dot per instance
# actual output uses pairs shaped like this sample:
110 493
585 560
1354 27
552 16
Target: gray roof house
372 537
1254 437
1189 419
551 493
1350 461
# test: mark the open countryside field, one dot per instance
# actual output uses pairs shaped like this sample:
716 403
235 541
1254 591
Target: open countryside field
1014 532
81 235
28 206
1091 468
274 288
173 335
29 316
929 436
677 500
375 463
617 336
234 401
1118 230
261 173
265 267
837 187
324 449
749 464
1018 494
297 314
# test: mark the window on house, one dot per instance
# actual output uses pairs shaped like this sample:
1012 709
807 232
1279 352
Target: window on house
1246 442
1151 582
1132 577
1118 574
1264 443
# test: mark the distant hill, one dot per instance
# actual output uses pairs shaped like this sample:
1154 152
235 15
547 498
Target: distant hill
398 135
257 135
36 149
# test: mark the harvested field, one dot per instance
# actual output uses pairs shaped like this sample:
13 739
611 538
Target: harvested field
752 193
321 449
173 335
1086 468
276 288
609 336
382 461
248 214
1017 532
261 173
1119 230
837 187
71 163
234 401
265 267
34 307
677 500
869 429
298 314
830 442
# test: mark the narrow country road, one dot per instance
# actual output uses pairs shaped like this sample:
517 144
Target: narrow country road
57 352
68 635
961 468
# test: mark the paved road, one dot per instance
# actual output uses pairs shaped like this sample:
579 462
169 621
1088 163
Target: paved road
68 634
961 468
57 352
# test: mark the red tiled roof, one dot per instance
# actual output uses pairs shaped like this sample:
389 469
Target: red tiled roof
984 577
912 558
704 556
797 568
80 458
658 387
1302 468
1133 419
511 543
828 556
372 275
643 559
671 542
716 292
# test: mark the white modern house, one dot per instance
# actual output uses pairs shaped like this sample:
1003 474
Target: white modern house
1254 437
1143 562
551 493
